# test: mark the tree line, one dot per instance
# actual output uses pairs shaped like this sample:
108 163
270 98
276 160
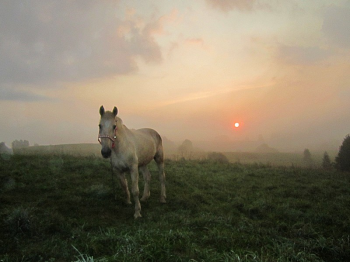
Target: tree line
341 162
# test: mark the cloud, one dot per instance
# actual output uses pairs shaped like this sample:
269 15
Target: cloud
13 94
300 55
194 41
229 5
50 41
336 25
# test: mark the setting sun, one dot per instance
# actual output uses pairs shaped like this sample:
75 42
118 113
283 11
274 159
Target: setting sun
236 124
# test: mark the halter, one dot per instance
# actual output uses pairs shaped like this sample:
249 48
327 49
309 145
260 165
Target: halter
110 138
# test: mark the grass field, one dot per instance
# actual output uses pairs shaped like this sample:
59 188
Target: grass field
62 208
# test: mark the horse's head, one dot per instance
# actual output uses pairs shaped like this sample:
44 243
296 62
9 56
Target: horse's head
108 129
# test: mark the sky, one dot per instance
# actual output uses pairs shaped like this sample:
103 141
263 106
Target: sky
189 69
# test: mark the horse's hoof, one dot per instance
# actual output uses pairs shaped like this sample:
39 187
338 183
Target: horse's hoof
163 201
136 216
144 199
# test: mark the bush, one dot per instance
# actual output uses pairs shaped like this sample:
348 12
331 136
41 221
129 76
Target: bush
217 157
186 149
342 161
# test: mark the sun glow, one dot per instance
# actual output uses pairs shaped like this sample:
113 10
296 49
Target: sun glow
236 125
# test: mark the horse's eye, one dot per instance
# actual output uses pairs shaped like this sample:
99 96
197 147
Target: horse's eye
114 127
99 126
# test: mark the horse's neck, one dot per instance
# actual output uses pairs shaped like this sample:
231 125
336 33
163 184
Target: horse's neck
122 138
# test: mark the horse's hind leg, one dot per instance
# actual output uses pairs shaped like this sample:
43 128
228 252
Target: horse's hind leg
147 178
159 158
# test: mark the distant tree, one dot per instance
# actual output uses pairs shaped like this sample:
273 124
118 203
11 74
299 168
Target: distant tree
342 160
4 149
265 148
186 148
307 158
326 161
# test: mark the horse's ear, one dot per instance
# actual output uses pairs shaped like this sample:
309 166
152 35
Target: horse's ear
115 111
102 110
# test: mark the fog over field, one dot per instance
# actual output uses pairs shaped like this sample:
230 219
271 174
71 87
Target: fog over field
189 69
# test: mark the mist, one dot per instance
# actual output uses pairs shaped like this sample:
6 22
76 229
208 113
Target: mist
189 70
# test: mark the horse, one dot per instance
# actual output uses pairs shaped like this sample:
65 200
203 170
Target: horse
131 151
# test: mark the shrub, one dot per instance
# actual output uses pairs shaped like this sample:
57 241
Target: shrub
343 158
186 149
217 157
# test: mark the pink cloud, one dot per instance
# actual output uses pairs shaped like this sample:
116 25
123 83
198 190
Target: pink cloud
195 41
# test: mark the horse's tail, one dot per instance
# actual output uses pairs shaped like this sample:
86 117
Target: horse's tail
159 157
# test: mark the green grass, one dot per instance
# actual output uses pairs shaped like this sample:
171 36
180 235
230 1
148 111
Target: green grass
62 208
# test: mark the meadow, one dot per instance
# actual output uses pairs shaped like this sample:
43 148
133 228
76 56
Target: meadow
58 207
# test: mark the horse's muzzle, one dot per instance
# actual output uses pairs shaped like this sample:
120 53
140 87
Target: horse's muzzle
106 152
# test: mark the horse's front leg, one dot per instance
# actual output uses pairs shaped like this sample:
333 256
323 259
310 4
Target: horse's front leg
135 189
147 178
124 184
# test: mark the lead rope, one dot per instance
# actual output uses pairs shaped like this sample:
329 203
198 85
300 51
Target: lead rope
113 145
113 184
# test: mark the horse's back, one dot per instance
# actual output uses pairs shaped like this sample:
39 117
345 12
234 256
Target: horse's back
148 143
151 133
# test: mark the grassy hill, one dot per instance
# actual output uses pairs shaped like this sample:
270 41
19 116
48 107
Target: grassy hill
62 208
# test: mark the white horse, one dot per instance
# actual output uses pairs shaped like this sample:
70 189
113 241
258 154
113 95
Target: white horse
131 151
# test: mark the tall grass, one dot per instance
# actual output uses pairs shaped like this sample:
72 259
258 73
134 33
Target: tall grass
62 208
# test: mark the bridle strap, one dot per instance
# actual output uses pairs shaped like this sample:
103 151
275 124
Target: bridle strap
110 138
